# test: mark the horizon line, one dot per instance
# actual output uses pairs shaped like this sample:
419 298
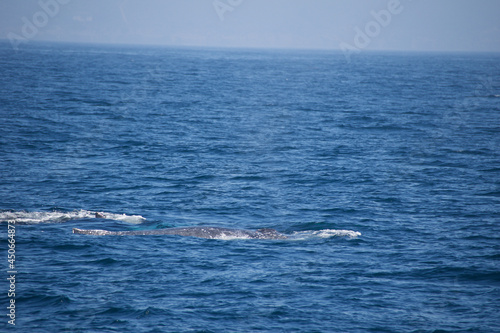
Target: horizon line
233 47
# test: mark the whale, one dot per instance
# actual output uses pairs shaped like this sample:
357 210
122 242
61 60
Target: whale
201 232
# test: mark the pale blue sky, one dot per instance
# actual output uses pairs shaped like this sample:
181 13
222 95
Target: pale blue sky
436 25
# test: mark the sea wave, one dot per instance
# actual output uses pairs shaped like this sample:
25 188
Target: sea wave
24 217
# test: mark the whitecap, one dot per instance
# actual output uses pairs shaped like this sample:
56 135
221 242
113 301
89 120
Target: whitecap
133 219
325 233
23 217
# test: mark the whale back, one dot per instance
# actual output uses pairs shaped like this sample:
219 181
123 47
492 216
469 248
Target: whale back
201 232
270 233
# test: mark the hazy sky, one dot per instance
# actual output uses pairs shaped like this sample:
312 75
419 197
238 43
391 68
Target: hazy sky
441 25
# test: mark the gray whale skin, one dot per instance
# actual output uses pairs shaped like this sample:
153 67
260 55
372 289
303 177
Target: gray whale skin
202 232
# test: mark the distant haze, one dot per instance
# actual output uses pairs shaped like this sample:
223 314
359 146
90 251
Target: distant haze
352 25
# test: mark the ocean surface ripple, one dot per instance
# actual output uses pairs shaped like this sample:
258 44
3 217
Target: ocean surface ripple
385 172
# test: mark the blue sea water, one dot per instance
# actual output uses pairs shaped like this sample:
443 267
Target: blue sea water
388 166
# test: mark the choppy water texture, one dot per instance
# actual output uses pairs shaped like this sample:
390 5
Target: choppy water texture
385 169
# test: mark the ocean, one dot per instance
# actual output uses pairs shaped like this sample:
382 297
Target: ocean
383 171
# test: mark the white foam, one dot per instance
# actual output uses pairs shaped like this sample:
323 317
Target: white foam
325 233
302 235
23 217
132 219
